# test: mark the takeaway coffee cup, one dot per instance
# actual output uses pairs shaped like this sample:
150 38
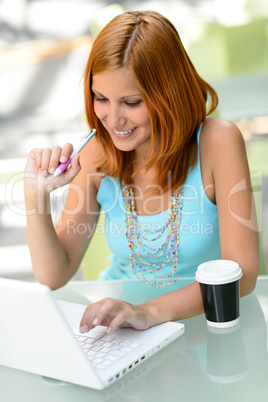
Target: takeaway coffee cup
220 287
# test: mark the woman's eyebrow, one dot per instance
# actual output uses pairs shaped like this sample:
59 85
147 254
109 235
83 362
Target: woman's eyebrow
97 93
130 96
123 97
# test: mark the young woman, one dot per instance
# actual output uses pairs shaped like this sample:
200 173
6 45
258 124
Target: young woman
173 181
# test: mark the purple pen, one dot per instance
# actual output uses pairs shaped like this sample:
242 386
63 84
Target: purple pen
77 149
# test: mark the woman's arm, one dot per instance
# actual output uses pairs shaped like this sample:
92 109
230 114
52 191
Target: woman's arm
177 305
224 147
226 177
56 254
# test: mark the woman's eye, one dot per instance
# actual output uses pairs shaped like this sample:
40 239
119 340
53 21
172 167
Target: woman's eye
100 99
133 104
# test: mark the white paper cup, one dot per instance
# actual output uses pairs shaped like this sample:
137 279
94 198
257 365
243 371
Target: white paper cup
220 287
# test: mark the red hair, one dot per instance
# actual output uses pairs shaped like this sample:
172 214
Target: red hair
149 48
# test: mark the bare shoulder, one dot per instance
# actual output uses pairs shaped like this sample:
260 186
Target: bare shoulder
222 155
218 132
221 142
219 135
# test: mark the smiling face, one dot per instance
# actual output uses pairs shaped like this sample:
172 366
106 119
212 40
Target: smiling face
119 105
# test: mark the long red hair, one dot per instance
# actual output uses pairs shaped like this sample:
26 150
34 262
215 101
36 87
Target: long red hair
178 100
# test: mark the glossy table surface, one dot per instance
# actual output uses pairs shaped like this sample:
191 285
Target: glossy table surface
202 365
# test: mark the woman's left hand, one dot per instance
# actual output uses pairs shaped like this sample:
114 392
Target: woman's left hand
114 313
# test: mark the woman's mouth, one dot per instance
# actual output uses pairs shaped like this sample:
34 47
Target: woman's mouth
125 133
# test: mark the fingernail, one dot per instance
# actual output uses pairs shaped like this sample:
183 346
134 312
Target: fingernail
109 330
83 329
52 170
63 159
95 321
44 173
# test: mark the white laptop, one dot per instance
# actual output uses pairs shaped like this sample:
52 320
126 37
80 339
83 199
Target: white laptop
39 334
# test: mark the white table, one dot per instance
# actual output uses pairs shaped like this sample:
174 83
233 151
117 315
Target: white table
199 366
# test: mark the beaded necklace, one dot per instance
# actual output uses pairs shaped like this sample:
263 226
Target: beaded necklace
136 245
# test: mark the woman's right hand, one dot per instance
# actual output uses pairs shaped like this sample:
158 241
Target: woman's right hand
41 165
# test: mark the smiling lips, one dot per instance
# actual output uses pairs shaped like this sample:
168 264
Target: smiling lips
123 133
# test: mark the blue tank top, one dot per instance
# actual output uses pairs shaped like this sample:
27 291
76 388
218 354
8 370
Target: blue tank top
198 230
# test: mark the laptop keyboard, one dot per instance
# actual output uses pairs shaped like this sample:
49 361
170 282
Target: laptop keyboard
103 349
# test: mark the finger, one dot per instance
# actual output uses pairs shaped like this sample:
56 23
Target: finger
75 167
102 315
68 174
97 314
31 163
86 321
54 159
123 317
46 155
36 156
114 313
66 152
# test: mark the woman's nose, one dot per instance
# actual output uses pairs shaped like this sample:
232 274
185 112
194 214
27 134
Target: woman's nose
115 117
